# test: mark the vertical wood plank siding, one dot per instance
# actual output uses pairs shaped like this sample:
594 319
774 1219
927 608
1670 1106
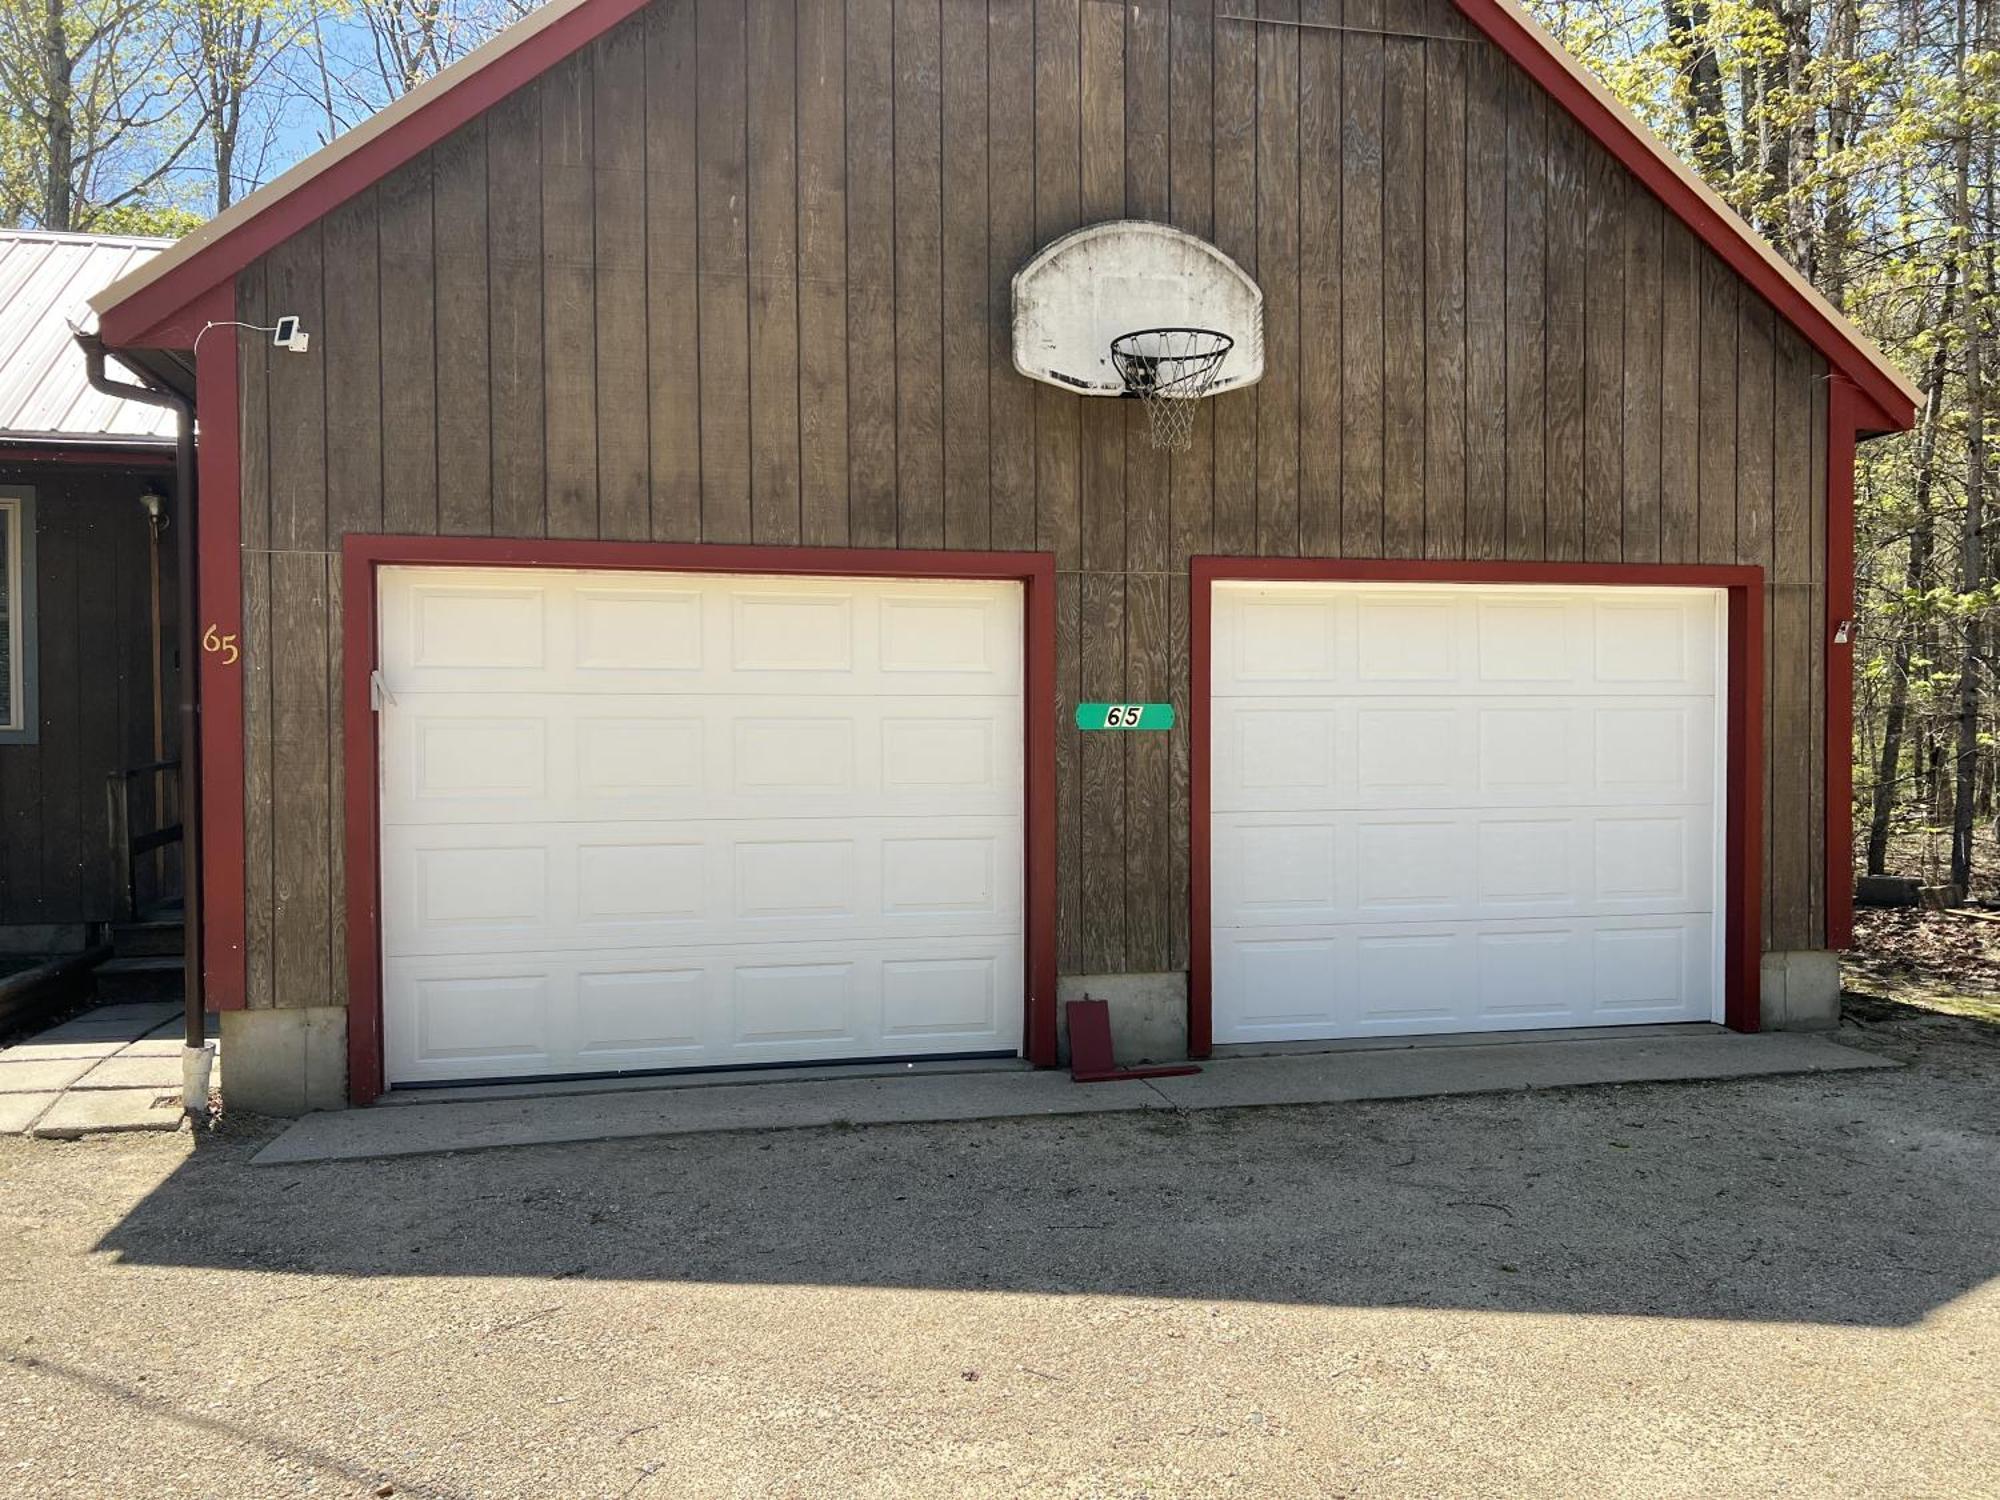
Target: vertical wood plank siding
93 625
739 272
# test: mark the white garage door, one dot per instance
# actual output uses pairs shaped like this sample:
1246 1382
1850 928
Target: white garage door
1453 808
645 821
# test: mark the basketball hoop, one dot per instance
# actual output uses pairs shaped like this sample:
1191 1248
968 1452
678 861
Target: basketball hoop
1170 369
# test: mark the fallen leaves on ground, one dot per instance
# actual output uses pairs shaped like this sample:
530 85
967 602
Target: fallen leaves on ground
1943 953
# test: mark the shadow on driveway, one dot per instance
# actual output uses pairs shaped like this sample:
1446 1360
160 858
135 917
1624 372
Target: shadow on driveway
1863 1198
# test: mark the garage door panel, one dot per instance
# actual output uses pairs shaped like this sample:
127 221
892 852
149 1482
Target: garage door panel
477 1023
1657 969
1409 977
1658 859
465 894
617 628
1655 641
1282 986
1546 862
638 881
1410 866
622 633
1529 975
445 626
1270 872
467 889
1418 979
636 757
451 758
1453 808
937 999
1408 755
1281 640
1429 752
454 1019
637 1016
783 1005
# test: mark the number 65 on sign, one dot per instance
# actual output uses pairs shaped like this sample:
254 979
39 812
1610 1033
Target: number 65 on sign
1124 716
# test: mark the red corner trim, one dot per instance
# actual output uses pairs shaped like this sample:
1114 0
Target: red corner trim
1744 769
1842 415
364 557
1202 574
219 599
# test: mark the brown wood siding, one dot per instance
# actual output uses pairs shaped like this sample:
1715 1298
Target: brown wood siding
739 272
93 616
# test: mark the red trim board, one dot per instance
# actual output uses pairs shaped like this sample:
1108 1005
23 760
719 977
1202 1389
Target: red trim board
219 595
1744 770
364 556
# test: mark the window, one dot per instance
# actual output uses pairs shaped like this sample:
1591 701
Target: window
17 616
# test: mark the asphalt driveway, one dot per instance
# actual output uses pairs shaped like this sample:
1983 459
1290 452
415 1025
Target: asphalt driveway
1773 1287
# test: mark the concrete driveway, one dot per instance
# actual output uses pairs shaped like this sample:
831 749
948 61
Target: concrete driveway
1766 1287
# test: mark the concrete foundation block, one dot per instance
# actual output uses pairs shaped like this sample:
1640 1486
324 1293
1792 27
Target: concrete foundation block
1801 991
1148 1014
285 1062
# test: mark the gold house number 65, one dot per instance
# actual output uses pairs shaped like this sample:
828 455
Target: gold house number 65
224 644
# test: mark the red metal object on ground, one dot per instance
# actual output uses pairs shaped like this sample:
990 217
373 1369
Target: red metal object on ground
1090 1048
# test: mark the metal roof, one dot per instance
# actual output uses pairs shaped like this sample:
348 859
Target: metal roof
46 281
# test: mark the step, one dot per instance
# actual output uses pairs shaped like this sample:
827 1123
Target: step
152 977
150 963
149 939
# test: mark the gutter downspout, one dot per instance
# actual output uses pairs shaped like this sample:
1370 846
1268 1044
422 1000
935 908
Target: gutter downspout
197 1055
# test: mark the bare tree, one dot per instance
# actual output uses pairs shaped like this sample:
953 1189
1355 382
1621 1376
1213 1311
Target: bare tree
385 48
103 120
225 51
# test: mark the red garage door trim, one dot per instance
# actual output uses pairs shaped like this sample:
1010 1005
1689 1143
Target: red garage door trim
365 556
1744 832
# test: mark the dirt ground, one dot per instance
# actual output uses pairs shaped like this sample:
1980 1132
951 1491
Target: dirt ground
1772 1287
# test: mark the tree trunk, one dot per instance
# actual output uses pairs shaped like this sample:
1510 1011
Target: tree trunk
1836 226
1707 106
1972 552
1916 572
59 190
1795 141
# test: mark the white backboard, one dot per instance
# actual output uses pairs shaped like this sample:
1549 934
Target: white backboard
1081 291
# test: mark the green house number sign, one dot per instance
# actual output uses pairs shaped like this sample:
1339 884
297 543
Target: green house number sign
1124 716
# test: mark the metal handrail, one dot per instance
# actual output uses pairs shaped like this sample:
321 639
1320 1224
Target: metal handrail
128 847
151 768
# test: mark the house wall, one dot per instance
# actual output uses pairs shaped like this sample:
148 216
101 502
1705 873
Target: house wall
738 272
94 648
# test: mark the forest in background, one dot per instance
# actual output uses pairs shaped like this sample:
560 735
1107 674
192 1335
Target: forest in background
1858 138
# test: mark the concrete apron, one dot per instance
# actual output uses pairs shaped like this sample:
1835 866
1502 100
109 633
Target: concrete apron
912 1096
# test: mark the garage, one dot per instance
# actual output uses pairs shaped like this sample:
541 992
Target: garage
664 600
649 821
1446 807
